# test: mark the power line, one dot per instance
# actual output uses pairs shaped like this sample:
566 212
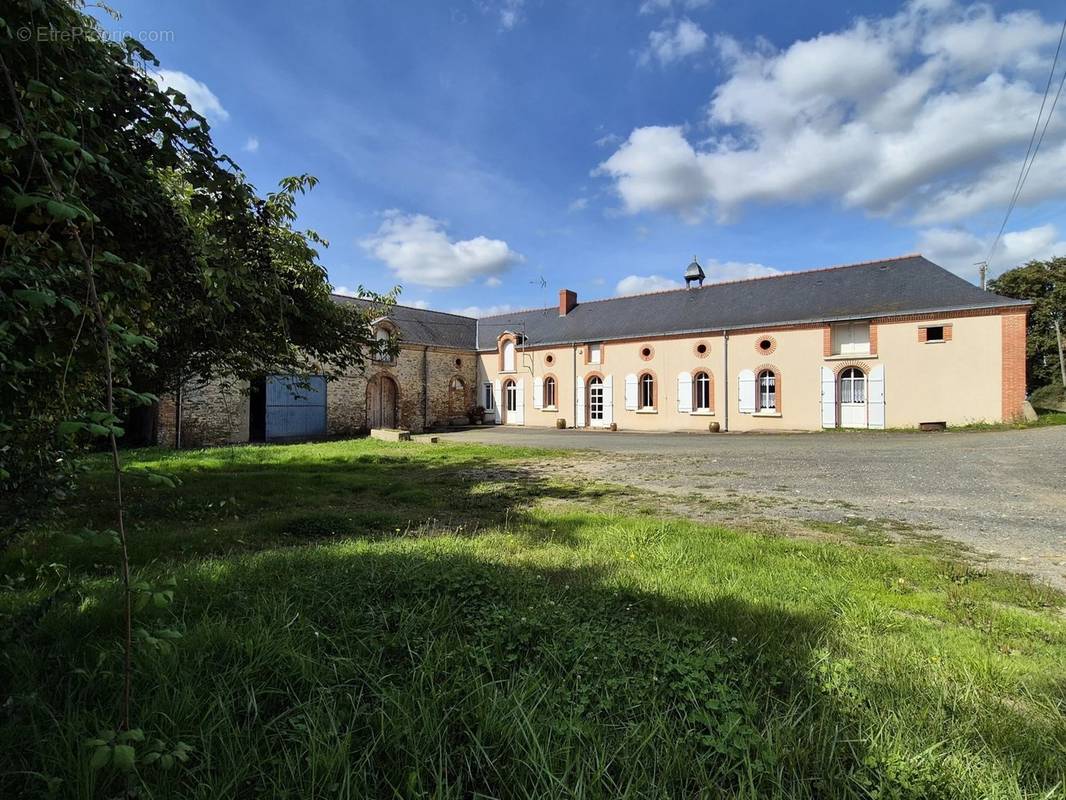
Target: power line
1027 162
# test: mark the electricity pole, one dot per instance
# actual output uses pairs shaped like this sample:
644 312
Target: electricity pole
1062 363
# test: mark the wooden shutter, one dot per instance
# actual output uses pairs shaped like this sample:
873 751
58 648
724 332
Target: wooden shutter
829 398
497 399
608 400
538 393
579 390
746 391
875 397
684 393
631 392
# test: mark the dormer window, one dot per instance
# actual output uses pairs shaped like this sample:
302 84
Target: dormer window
508 356
382 343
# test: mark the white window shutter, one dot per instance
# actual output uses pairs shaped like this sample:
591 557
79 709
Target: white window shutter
497 401
746 392
875 393
538 393
608 400
579 421
520 403
829 398
684 393
631 392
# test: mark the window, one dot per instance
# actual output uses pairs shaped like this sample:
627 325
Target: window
549 392
767 386
508 356
852 386
701 391
934 333
488 397
511 393
851 338
646 396
596 353
702 349
647 352
381 346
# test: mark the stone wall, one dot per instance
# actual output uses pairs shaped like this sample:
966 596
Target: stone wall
211 413
435 388
437 398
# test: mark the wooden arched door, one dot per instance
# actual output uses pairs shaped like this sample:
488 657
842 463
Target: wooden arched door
381 395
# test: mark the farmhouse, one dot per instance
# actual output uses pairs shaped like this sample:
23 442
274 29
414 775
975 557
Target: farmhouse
892 343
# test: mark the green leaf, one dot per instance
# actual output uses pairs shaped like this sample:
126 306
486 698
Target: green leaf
124 757
36 297
100 757
70 426
62 211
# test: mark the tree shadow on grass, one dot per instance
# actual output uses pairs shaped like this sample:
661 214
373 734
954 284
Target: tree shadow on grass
414 669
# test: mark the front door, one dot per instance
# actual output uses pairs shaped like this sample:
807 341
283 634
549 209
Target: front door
381 402
596 416
853 398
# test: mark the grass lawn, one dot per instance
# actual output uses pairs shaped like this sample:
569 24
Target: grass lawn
364 619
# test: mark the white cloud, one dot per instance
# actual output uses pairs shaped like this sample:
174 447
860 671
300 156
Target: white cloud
483 311
674 41
200 97
885 116
666 6
417 304
494 281
959 250
345 291
252 145
509 12
637 284
578 204
715 271
417 249
608 140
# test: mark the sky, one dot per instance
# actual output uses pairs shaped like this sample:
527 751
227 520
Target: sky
483 154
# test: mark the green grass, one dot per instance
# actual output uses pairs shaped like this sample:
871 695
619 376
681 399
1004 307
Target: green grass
440 621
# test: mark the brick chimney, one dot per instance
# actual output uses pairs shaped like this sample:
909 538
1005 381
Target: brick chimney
567 301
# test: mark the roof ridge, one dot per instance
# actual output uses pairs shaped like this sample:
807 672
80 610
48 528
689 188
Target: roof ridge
754 278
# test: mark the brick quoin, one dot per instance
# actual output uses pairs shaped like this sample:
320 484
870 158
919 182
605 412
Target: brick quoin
1013 365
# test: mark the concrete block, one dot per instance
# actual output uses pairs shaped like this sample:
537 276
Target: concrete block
1028 412
390 435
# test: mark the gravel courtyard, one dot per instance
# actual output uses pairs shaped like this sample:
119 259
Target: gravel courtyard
1000 493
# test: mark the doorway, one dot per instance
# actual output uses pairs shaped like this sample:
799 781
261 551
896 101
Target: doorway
853 412
381 393
596 415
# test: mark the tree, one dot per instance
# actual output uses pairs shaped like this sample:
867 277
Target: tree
1043 282
131 246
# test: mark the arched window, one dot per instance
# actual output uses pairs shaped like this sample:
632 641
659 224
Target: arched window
381 346
852 386
510 391
766 383
646 395
701 391
549 392
508 356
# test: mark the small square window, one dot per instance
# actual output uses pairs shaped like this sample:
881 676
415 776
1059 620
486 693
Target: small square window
934 333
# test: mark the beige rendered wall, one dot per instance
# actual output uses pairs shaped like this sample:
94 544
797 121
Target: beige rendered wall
957 381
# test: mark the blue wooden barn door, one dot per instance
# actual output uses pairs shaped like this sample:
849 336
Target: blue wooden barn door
293 411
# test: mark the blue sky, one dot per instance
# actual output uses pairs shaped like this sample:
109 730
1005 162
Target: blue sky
467 149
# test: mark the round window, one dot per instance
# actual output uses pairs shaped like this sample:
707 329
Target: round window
549 359
765 344
701 349
458 362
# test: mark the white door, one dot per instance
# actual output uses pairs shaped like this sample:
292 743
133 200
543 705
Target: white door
853 398
510 400
597 418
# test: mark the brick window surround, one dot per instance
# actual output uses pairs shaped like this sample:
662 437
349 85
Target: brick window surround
765 338
506 337
546 406
706 349
646 352
777 386
710 388
654 390
923 333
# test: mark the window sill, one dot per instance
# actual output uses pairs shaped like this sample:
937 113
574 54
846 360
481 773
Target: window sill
849 356
767 414
647 411
550 408
703 412
935 341
507 372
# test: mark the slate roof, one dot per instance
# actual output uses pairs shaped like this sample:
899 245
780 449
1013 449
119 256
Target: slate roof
892 287
422 326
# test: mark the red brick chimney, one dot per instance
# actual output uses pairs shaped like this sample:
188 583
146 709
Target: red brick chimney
567 301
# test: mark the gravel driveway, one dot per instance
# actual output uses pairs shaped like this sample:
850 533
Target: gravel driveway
1001 493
